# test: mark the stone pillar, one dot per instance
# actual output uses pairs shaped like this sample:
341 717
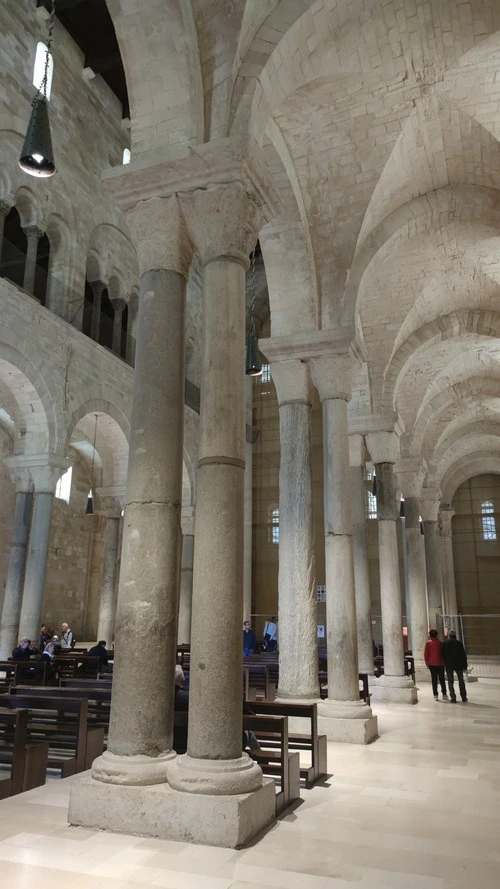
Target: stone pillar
248 507
33 235
141 723
445 516
411 477
186 587
223 223
5 209
343 716
298 652
98 288
393 686
118 307
131 330
360 553
11 610
107 600
45 479
429 508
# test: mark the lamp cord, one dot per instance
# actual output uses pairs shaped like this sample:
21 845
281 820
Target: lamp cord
42 89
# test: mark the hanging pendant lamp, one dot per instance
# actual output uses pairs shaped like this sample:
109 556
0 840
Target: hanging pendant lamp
37 156
253 364
90 499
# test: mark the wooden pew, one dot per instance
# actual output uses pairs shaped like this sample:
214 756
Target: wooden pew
28 762
312 742
100 682
63 722
275 758
98 700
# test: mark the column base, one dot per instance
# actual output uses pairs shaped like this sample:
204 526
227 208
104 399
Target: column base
132 770
215 777
421 673
156 810
350 722
394 690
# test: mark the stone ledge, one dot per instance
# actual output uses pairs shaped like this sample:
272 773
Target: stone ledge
350 731
394 694
158 811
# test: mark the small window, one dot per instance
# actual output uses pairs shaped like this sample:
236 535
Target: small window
488 521
126 155
371 498
63 487
39 70
274 526
265 376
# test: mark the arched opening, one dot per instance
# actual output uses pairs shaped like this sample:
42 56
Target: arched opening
13 255
123 344
106 321
42 269
88 308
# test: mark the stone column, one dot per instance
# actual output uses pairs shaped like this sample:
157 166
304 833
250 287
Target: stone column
429 508
118 307
98 288
248 501
141 723
5 209
344 716
445 516
411 477
33 235
186 588
393 686
11 610
298 652
357 456
45 479
223 223
107 600
131 330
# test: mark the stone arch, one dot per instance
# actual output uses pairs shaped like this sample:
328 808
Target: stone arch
28 206
468 467
98 405
28 403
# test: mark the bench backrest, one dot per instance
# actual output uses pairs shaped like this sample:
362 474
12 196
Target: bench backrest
16 724
78 707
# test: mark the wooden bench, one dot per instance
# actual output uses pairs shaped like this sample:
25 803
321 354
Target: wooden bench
311 741
63 722
28 762
13 672
257 684
100 682
98 700
275 758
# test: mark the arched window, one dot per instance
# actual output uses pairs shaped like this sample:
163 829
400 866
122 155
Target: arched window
488 520
39 69
63 487
274 526
126 155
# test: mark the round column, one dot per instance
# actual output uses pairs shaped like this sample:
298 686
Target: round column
98 288
416 579
248 527
361 568
429 508
107 600
298 651
186 590
141 723
11 609
445 516
118 307
33 235
222 223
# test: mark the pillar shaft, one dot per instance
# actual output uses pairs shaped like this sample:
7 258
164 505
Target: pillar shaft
248 520
98 288
361 570
36 565
118 307
107 601
11 610
5 208
416 578
433 567
147 600
186 591
33 235
447 562
390 590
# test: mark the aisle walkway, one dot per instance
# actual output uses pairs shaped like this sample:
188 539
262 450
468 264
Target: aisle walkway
419 809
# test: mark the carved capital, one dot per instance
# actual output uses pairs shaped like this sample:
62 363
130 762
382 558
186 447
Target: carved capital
445 516
33 232
159 232
222 221
383 447
410 474
333 375
20 476
5 207
118 304
429 504
293 382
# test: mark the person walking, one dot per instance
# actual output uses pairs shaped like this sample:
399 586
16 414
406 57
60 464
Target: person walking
455 661
434 661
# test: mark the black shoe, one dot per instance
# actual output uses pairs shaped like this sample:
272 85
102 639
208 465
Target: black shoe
453 701
464 700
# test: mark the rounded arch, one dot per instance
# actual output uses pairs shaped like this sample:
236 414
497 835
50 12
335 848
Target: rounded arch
23 405
468 467
28 206
108 460
94 406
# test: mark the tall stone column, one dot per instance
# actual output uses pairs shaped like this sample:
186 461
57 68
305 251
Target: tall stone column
33 235
141 723
45 479
344 716
411 477
223 223
11 610
298 652
118 307
98 288
429 508
107 600
445 516
393 686
357 454
248 507
186 588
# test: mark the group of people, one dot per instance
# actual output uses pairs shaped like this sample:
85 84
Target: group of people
48 646
269 640
449 656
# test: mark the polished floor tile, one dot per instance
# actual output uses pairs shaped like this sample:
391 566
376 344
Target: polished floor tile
418 809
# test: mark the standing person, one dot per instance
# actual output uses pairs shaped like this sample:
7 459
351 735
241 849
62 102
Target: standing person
44 637
249 640
455 660
66 636
434 661
270 635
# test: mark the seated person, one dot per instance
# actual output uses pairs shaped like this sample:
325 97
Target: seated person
100 652
24 650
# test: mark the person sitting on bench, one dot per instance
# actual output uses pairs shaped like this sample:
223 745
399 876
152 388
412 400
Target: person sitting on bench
100 652
24 650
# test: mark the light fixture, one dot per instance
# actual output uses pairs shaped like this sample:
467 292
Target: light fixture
37 157
90 499
253 364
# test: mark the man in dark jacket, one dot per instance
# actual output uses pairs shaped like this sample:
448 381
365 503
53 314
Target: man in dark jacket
455 660
100 652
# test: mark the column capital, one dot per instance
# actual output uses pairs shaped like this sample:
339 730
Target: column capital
333 375
33 231
45 469
160 235
118 303
5 207
357 450
19 475
445 516
383 447
410 474
98 286
222 221
293 382
430 501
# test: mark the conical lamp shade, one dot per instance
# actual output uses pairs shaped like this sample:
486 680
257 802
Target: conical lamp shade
253 366
37 157
90 506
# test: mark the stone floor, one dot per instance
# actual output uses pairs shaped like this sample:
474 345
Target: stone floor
419 809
